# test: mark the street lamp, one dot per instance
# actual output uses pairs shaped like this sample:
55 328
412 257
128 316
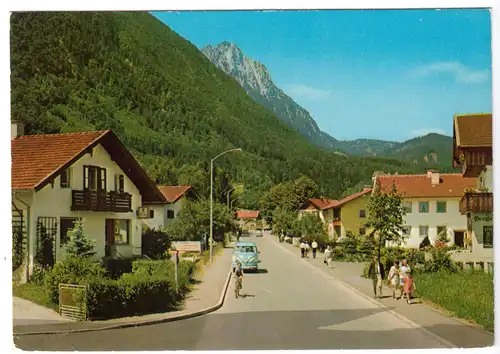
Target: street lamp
231 204
211 198
229 191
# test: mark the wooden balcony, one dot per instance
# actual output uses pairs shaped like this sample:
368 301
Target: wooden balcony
475 160
88 200
476 203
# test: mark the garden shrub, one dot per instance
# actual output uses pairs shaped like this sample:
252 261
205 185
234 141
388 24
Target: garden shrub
70 271
155 243
153 267
116 267
441 261
38 275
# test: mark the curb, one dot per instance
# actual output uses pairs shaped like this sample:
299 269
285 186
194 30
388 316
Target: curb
378 304
142 323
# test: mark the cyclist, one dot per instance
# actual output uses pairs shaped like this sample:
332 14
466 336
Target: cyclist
239 279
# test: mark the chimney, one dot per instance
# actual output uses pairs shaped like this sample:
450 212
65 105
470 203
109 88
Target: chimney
434 176
16 129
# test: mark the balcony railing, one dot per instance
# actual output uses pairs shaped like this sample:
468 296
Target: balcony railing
101 201
476 203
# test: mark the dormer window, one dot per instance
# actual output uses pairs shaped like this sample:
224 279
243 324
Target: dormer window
119 183
65 178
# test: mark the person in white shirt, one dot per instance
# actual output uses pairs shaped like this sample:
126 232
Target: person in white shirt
302 249
308 247
314 247
328 256
405 268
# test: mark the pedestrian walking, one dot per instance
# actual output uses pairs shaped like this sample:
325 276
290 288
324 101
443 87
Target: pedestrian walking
302 249
376 272
314 248
405 268
307 249
409 286
394 278
328 256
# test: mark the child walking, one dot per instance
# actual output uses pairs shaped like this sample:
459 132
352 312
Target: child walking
409 286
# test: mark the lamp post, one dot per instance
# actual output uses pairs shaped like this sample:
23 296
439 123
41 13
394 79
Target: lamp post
229 191
231 204
211 198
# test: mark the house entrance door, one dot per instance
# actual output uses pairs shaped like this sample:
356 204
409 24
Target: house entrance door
459 238
109 238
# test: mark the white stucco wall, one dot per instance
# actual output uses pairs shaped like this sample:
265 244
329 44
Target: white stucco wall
452 219
160 214
56 202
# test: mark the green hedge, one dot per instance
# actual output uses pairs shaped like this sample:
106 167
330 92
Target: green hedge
149 288
467 294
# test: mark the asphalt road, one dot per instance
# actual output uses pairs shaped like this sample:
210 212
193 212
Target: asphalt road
286 305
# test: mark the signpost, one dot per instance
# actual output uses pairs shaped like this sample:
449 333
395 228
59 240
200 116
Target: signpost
187 246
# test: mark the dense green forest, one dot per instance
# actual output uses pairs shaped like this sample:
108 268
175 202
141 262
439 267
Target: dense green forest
166 101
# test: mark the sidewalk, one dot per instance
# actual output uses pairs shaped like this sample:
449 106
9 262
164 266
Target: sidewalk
204 295
456 331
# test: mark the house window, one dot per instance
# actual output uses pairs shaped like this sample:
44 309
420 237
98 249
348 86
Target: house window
66 225
121 231
406 230
441 207
423 231
151 213
336 214
441 229
170 214
66 178
423 207
407 207
362 231
362 213
488 236
337 230
119 183
94 178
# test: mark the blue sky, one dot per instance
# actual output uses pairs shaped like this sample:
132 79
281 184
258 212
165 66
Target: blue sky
382 74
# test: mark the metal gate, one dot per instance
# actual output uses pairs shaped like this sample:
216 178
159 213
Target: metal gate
73 301
19 244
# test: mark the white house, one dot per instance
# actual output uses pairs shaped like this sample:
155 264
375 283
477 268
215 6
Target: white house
472 150
161 215
432 204
57 178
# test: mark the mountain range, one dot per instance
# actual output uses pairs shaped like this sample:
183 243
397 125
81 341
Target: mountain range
255 78
168 103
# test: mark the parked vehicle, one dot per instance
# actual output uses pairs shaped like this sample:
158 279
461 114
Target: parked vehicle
248 254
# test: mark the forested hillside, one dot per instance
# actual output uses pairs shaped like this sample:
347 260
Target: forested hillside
166 101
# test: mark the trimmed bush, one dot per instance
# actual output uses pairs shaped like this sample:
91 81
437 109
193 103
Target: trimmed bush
70 271
116 267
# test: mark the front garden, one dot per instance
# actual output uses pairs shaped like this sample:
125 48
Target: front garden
114 288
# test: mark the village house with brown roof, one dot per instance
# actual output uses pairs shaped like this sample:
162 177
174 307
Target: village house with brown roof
57 178
341 216
161 215
247 219
432 205
473 152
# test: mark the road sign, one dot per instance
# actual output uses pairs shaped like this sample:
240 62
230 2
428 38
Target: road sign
186 246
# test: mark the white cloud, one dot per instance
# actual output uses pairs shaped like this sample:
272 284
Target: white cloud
461 72
421 132
307 92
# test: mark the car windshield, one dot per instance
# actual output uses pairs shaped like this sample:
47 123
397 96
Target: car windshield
246 249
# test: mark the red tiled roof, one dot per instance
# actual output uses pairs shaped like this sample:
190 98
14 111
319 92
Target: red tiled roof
321 203
35 158
173 193
338 203
247 214
415 186
38 159
473 130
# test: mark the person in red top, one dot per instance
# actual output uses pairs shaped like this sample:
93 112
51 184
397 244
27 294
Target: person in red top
409 285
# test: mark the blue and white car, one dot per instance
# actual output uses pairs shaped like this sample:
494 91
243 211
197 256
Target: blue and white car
248 255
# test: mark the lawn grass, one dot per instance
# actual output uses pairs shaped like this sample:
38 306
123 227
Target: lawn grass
34 293
467 294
